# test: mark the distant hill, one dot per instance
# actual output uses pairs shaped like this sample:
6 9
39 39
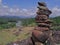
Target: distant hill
9 17
55 19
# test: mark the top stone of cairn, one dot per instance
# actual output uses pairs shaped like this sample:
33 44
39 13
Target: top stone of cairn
42 9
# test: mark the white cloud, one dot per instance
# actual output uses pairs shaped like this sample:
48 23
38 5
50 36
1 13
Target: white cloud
4 6
0 1
16 11
55 12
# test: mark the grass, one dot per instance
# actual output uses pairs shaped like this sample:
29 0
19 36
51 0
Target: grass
7 35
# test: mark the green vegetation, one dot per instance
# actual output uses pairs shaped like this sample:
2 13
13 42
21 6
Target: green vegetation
56 23
6 23
28 22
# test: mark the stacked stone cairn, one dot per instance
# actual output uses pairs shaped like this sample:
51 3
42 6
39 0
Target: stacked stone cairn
41 32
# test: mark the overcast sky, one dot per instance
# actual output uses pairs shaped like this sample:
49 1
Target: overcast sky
27 8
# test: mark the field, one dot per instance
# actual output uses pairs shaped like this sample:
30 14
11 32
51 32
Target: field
8 35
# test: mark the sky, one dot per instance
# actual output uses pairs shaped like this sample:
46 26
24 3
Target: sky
27 8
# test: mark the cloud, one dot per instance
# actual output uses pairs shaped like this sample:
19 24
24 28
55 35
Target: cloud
55 12
0 1
16 11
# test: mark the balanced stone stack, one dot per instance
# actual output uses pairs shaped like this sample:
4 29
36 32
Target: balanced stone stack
42 18
41 32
